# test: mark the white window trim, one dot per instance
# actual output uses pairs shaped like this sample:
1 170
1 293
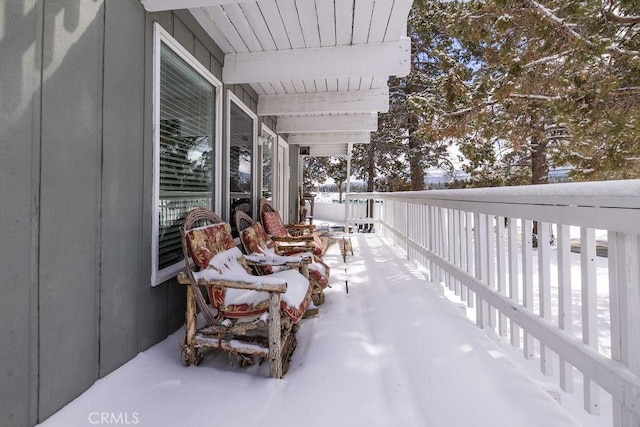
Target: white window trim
232 97
284 210
162 36
265 135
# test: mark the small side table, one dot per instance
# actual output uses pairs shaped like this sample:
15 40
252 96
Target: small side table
345 246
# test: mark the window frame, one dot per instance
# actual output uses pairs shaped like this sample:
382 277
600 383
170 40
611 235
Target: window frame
161 36
266 134
232 97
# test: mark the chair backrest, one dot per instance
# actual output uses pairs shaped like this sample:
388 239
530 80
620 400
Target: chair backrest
271 220
204 235
265 206
253 237
243 221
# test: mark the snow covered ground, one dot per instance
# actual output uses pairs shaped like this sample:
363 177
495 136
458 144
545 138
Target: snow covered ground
393 351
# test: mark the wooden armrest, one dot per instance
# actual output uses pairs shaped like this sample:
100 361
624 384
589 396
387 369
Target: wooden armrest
289 250
277 260
184 279
309 227
293 239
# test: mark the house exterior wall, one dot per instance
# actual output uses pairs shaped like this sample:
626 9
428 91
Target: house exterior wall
76 163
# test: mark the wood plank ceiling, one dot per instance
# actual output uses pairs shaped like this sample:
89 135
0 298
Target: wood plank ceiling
320 66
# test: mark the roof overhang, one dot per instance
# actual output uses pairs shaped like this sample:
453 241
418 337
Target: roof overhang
319 66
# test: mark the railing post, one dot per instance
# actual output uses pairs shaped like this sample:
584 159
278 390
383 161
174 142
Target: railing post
564 300
430 245
624 300
456 245
470 255
450 247
527 281
544 289
513 278
347 215
589 310
480 228
438 240
502 273
464 248
490 268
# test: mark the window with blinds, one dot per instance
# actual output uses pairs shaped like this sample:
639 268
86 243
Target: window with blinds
186 151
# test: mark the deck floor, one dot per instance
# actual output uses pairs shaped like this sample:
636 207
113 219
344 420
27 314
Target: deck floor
392 351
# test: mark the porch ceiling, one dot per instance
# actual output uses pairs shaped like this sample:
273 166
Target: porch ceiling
309 58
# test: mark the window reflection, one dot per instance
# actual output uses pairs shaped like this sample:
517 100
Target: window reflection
241 162
267 167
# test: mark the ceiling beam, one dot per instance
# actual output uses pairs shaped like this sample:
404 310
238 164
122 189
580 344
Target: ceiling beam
362 60
354 101
328 150
160 5
329 138
325 124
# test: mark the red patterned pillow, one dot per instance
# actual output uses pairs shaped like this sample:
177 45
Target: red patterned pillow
317 245
205 242
255 239
273 224
317 277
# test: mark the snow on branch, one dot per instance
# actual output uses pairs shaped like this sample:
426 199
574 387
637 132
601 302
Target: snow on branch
550 58
533 97
557 22
566 28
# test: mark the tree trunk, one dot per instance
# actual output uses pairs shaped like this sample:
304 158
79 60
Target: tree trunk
415 164
539 163
539 173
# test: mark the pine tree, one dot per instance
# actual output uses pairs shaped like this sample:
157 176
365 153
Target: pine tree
557 82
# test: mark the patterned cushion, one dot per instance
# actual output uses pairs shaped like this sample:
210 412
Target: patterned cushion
317 245
256 241
273 224
205 242
318 278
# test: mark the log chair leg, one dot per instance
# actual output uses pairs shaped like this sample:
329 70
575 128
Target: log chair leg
318 295
275 337
190 351
289 342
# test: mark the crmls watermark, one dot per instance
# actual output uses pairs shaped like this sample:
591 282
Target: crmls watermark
114 418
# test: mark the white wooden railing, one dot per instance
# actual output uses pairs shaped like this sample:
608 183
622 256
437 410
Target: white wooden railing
566 310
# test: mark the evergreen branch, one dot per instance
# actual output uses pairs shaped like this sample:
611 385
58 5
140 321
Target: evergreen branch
532 97
624 91
566 28
622 19
557 22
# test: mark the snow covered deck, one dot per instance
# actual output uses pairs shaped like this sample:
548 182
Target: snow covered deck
392 351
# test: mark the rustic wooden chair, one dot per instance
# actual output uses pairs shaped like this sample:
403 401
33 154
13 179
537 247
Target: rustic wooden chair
256 242
249 316
284 234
